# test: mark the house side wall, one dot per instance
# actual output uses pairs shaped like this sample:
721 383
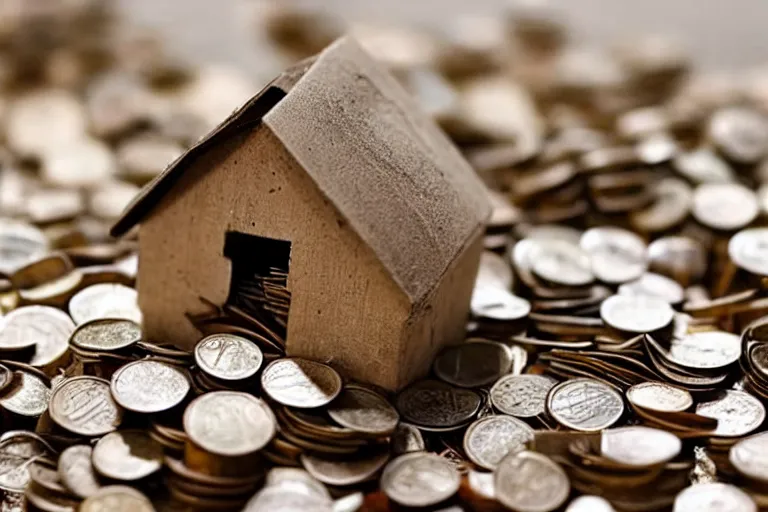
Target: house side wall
442 320
344 305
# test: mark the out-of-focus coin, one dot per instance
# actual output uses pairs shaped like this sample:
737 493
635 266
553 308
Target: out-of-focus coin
713 497
84 405
639 446
142 158
523 396
636 314
147 386
739 133
56 205
6 378
20 244
493 303
590 504
407 438
43 473
106 334
703 166
560 262
344 472
724 206
748 456
616 255
659 396
488 440
683 259
586 405
654 285
737 413
364 410
474 364
127 455
85 163
705 350
76 471
531 482
297 382
105 301
748 249
28 395
673 200
41 326
228 357
420 479
493 271
229 423
109 199
17 451
117 498
431 403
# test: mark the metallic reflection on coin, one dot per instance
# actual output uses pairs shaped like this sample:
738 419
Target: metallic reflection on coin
430 403
705 350
229 423
344 472
523 396
20 244
474 364
420 479
616 255
589 504
127 455
117 498
724 206
84 405
659 396
586 405
639 446
488 440
28 395
748 249
560 262
105 301
364 410
737 413
17 451
106 334
749 458
41 326
654 285
228 357
76 471
493 303
300 383
531 482
407 438
147 386
713 497
636 314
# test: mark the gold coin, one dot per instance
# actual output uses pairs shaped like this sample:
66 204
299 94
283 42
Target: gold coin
28 395
105 301
117 498
302 383
76 471
229 423
106 334
228 357
127 455
147 386
84 405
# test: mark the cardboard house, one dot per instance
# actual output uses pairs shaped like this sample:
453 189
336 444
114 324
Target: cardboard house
333 175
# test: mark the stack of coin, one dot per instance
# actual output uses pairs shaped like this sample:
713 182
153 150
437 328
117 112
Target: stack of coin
226 361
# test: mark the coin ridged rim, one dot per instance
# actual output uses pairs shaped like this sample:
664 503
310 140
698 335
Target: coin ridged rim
525 376
65 424
132 407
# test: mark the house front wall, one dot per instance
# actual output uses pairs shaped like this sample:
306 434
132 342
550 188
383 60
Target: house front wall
344 307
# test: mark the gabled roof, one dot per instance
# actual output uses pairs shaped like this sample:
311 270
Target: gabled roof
390 172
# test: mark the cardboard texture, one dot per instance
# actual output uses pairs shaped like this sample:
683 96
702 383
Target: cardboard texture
384 216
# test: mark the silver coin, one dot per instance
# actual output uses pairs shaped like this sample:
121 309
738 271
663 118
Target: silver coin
492 303
76 471
474 364
84 405
748 249
28 395
20 244
560 262
590 504
654 285
17 451
660 396
488 440
127 455
407 438
344 472
105 301
148 386
531 482
725 206
431 403
300 383
364 410
750 457
639 446
705 350
713 497
616 255
228 357
106 334
587 405
737 413
420 479
523 396
636 314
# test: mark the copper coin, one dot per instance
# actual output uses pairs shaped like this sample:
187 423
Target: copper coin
724 206
713 497
229 423
127 455
430 403
76 471
523 396
639 446
106 334
659 396
531 482
616 255
228 357
148 386
748 249
42 326
420 479
117 498
28 395
737 413
586 405
84 405
300 383
636 314
488 440
473 364
105 301
364 410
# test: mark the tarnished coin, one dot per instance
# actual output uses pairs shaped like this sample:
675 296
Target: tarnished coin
474 364
737 413
127 455
560 262
705 350
488 440
229 423
531 482
344 472
523 396
117 498
48 329
748 249
407 438
84 405
106 334
420 479
724 206
364 410
654 285
492 303
297 382
148 386
17 451
20 244
616 255
586 405
589 504
105 301
639 446
748 456
713 497
659 396
228 357
28 395
636 314
431 403
76 471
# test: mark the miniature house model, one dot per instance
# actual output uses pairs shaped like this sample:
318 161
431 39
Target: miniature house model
334 182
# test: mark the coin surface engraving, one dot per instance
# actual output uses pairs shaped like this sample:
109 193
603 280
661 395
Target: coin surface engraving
524 396
84 405
300 383
488 440
106 334
228 357
531 482
659 396
364 410
149 386
436 404
28 395
587 405
737 413
419 479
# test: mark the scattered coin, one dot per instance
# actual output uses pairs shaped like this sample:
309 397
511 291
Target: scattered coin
127 455
561 263
430 403
364 410
106 334
737 413
493 303
147 386
300 383
228 357
724 206
660 396
420 479
654 285
84 405
749 250
342 473
76 471
28 395
531 482
523 396
117 498
636 313
105 301
586 405
639 446
489 439
17 451
705 350
46 328
472 365
616 255
20 244
748 457
713 497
